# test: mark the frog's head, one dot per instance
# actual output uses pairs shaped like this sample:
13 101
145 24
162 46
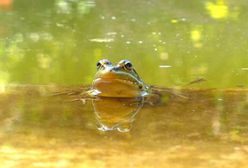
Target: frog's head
119 80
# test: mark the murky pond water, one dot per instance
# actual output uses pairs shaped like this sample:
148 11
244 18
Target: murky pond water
38 129
47 44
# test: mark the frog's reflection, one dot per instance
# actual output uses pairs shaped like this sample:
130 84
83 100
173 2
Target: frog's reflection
116 113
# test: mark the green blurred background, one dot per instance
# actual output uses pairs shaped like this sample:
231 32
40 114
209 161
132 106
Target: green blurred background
169 42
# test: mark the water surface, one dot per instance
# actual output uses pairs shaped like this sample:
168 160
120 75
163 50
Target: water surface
39 130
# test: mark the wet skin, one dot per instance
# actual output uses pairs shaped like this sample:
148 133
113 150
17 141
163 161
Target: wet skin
119 80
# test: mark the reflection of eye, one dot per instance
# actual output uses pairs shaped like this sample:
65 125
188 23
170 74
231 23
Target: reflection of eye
128 66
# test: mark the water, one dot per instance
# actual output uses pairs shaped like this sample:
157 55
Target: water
53 46
39 129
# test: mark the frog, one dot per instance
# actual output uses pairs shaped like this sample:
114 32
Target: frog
118 81
121 81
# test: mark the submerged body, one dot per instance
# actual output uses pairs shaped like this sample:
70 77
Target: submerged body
119 80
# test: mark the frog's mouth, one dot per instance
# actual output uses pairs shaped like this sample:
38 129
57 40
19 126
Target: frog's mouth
124 81
120 77
117 83
108 87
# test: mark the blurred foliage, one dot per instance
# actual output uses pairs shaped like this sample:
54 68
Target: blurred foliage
60 41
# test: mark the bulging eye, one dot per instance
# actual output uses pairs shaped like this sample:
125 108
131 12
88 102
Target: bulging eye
128 66
98 65
103 63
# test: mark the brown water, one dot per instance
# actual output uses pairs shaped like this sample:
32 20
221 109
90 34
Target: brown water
208 129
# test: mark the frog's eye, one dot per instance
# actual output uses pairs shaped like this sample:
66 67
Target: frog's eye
103 63
128 66
98 65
